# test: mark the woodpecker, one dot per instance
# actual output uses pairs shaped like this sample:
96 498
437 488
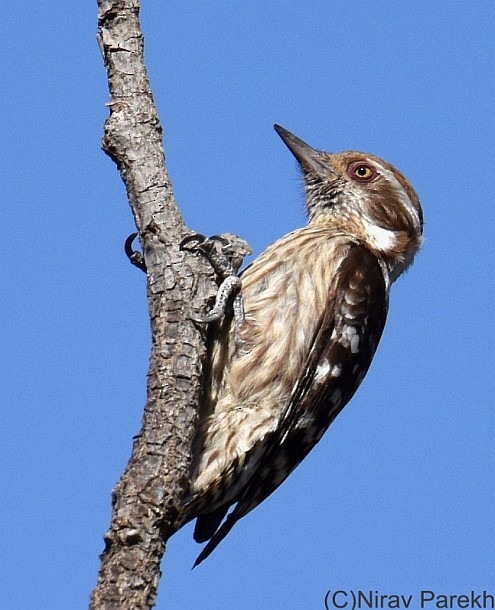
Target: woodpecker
315 304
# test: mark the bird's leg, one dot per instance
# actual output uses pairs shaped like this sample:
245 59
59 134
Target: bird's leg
225 253
229 286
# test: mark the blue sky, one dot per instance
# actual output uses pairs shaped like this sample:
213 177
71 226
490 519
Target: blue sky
399 495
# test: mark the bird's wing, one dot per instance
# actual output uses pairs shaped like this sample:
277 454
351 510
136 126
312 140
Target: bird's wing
341 351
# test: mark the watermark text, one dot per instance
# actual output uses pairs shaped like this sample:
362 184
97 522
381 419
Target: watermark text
356 599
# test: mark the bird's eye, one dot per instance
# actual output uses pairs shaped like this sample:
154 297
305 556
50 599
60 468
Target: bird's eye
362 172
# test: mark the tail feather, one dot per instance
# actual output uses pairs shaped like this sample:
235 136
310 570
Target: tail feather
217 537
207 525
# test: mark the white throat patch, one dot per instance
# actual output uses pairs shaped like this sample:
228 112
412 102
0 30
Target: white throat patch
379 238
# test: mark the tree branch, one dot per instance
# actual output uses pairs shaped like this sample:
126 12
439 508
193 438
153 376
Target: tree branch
146 499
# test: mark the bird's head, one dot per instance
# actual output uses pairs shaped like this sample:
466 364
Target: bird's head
363 196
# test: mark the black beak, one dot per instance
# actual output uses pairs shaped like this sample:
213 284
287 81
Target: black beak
310 160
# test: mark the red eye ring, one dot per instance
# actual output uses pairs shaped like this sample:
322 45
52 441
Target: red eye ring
362 171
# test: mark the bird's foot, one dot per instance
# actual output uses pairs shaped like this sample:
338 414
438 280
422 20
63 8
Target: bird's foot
225 253
135 257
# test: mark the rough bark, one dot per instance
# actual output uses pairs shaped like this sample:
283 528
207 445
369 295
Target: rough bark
146 499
